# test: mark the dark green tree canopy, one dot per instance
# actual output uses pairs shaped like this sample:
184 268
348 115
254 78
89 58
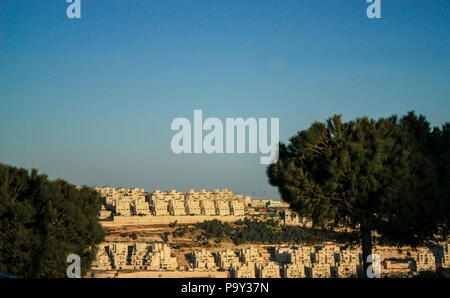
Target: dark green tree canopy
384 175
42 222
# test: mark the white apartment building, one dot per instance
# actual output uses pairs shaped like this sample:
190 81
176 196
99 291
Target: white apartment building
268 270
237 208
222 208
294 271
207 207
243 271
227 259
176 207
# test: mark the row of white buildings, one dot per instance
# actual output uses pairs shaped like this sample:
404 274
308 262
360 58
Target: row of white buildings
135 201
326 261
135 256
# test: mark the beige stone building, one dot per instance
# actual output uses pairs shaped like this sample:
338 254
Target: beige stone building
426 261
227 259
268 270
348 263
140 206
325 257
259 203
119 255
102 260
122 207
301 255
176 207
132 202
250 255
223 195
136 191
243 271
222 208
349 256
295 270
160 208
203 260
192 206
159 257
158 195
207 207
236 207
138 253
321 270
135 256
246 200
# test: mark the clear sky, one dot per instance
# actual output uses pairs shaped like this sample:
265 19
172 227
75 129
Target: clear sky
91 100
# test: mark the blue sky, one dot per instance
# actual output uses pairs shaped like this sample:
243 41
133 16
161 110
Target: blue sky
91 100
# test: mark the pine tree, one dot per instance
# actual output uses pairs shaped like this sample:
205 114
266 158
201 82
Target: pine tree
42 222
370 175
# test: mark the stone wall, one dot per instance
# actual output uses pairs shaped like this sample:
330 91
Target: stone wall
154 220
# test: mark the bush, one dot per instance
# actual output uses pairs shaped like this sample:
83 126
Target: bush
268 232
